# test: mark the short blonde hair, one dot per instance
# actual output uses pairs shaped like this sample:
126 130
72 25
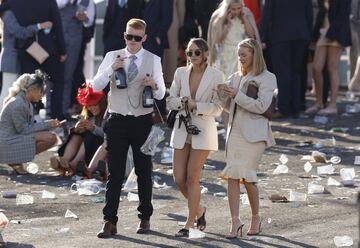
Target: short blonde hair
136 24
258 65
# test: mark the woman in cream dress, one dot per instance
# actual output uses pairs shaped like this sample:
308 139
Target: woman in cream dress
249 133
196 85
230 23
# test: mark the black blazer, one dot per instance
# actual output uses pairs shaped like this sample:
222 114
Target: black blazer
158 16
339 21
133 10
36 11
286 20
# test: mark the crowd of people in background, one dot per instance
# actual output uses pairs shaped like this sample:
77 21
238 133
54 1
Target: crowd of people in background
206 52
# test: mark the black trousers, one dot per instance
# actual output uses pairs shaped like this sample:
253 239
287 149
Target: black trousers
121 132
287 64
55 69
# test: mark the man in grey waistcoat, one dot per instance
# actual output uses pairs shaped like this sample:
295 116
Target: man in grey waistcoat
129 123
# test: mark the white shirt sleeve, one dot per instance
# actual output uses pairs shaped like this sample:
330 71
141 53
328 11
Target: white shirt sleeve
90 14
62 3
103 75
158 78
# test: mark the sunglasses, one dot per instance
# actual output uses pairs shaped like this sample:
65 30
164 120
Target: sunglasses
133 37
191 53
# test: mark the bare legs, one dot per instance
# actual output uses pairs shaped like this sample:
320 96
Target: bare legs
354 84
44 140
331 56
234 203
100 154
74 151
188 164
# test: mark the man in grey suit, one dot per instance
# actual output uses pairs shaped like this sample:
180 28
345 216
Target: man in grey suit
73 17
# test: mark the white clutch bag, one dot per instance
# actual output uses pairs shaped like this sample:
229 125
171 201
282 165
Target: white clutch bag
37 52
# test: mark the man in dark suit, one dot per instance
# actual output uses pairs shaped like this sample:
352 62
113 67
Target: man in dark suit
37 11
118 13
158 16
285 30
203 11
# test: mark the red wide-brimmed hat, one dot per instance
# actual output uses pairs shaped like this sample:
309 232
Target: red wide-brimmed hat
87 97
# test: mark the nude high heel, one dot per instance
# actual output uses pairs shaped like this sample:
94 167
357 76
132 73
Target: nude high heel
236 231
255 227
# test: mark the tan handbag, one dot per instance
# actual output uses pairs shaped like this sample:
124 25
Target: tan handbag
37 52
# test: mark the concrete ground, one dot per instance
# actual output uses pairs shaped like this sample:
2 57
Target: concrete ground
312 223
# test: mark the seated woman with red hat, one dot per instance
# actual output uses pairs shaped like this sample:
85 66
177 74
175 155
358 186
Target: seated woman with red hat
86 137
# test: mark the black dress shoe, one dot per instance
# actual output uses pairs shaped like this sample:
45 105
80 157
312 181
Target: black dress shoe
143 227
107 231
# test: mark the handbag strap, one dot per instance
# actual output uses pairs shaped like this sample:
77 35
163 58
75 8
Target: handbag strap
157 108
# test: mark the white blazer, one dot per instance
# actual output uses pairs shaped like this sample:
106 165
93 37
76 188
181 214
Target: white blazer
208 106
253 125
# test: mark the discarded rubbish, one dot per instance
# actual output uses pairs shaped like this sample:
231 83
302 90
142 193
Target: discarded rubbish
355 108
297 196
244 199
321 119
99 199
3 221
209 167
69 214
357 160
347 176
9 194
155 137
343 241
47 195
204 190
167 155
281 169
319 156
32 168
269 220
132 197
220 194
314 188
131 182
326 169
62 230
283 159
157 185
307 167
319 144
340 129
24 199
196 234
170 172
332 182
278 198
335 160
87 187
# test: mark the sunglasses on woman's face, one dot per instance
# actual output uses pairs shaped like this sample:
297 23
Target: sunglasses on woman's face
133 37
196 53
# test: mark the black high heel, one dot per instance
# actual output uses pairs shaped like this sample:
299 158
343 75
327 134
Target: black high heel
201 222
190 129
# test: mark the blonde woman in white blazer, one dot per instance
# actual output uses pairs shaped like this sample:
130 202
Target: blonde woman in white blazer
196 85
249 133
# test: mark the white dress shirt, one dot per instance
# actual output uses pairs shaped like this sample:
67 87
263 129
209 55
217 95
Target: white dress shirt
105 72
